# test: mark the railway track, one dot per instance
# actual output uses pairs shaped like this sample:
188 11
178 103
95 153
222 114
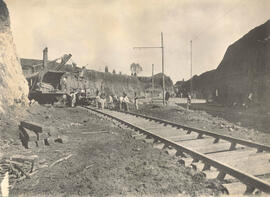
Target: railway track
242 166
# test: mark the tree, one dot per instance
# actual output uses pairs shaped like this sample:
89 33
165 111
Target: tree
106 69
113 71
135 69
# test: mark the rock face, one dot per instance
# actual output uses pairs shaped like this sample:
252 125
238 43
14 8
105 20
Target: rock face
13 85
107 82
244 69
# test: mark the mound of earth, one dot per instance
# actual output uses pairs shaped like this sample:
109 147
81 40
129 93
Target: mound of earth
244 69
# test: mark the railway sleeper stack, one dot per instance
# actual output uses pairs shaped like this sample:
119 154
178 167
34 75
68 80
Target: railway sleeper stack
34 135
242 166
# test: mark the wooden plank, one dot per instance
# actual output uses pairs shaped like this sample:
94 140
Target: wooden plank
166 131
234 155
238 188
240 158
32 126
27 135
259 164
185 137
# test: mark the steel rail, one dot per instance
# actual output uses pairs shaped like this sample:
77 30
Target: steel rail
250 181
234 141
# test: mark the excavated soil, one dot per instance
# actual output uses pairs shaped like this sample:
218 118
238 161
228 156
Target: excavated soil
105 159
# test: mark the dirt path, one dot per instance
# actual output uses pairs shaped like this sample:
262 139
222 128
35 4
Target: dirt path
109 163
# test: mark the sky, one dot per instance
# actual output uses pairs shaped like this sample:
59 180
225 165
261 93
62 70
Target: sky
103 32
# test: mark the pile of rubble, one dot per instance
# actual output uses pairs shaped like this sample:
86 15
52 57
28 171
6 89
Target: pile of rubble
33 135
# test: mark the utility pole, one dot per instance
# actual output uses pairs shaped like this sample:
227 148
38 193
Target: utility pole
152 79
163 81
162 62
152 76
191 68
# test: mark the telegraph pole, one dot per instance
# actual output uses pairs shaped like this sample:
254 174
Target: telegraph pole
162 63
163 81
152 79
191 68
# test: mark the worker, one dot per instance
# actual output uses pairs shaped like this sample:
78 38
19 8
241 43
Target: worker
64 99
115 102
110 102
167 96
64 84
121 102
73 99
249 100
188 101
125 101
102 100
97 99
136 101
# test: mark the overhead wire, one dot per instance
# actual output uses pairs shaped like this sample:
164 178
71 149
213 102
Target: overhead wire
217 21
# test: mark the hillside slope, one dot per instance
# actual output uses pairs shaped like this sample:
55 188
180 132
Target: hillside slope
107 82
244 69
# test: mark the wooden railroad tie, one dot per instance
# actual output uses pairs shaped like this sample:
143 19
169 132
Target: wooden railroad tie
32 134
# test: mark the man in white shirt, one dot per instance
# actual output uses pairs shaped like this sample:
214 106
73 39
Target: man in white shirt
120 102
125 102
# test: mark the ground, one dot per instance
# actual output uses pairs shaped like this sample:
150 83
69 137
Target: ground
103 159
252 117
243 126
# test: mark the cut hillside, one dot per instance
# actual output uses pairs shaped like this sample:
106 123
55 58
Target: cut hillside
102 81
244 69
80 79
147 83
84 79
13 85
203 85
116 84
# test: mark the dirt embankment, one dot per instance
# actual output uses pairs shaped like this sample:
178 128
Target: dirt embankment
244 69
108 82
13 85
105 161
115 83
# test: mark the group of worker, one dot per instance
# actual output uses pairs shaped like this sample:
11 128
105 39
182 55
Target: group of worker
114 102
70 99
